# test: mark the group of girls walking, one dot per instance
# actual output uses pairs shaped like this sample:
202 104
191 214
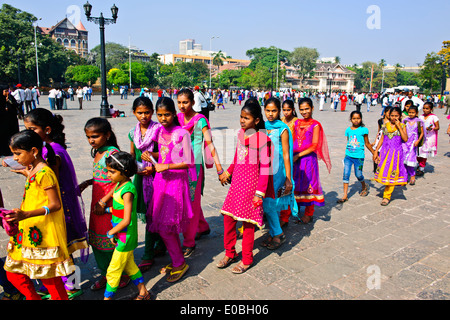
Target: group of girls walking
404 142
160 182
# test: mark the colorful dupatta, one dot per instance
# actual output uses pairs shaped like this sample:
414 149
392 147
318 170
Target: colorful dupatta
301 127
190 127
275 130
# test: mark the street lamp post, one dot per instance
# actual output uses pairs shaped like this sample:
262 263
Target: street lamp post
35 24
102 21
210 59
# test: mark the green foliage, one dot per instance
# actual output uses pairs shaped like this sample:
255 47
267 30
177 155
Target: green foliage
305 60
116 77
116 54
392 79
16 49
267 57
83 74
432 72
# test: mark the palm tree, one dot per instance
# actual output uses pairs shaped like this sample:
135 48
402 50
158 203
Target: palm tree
218 59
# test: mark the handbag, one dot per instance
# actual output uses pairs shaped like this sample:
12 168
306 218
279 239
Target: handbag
11 228
209 105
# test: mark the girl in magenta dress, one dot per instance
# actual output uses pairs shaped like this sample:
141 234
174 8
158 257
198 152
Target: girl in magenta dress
251 182
310 145
170 209
205 156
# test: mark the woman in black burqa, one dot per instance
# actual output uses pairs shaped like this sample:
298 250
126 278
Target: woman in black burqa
9 123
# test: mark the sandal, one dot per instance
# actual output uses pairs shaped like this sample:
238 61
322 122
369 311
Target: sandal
266 242
145 266
342 200
240 269
300 221
99 284
144 297
225 262
364 192
166 269
74 293
274 244
178 274
385 202
187 251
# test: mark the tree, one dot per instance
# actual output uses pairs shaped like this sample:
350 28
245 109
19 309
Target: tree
218 59
118 77
83 74
138 73
268 57
431 73
304 59
115 54
16 36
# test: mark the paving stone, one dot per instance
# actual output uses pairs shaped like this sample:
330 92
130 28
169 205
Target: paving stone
329 259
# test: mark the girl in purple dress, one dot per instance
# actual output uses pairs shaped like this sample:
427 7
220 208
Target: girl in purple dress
51 130
391 171
415 131
170 209
310 145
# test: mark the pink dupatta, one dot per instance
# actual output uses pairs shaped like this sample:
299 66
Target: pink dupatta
209 160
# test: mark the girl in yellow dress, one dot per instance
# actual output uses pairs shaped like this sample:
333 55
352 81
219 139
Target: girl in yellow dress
39 249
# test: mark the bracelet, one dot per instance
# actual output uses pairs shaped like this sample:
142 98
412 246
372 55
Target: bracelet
101 203
259 196
47 210
220 172
109 236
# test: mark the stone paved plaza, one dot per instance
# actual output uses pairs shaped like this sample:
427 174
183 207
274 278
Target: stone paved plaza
359 250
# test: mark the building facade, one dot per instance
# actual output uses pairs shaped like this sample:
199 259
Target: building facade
72 37
327 77
172 58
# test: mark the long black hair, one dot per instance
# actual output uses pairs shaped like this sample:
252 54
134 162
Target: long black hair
27 140
253 107
102 125
44 118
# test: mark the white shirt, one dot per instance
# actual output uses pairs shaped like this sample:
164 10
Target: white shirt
52 93
16 95
359 98
200 101
417 102
27 95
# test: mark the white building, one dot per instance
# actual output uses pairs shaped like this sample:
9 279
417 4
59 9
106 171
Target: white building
327 77
188 47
